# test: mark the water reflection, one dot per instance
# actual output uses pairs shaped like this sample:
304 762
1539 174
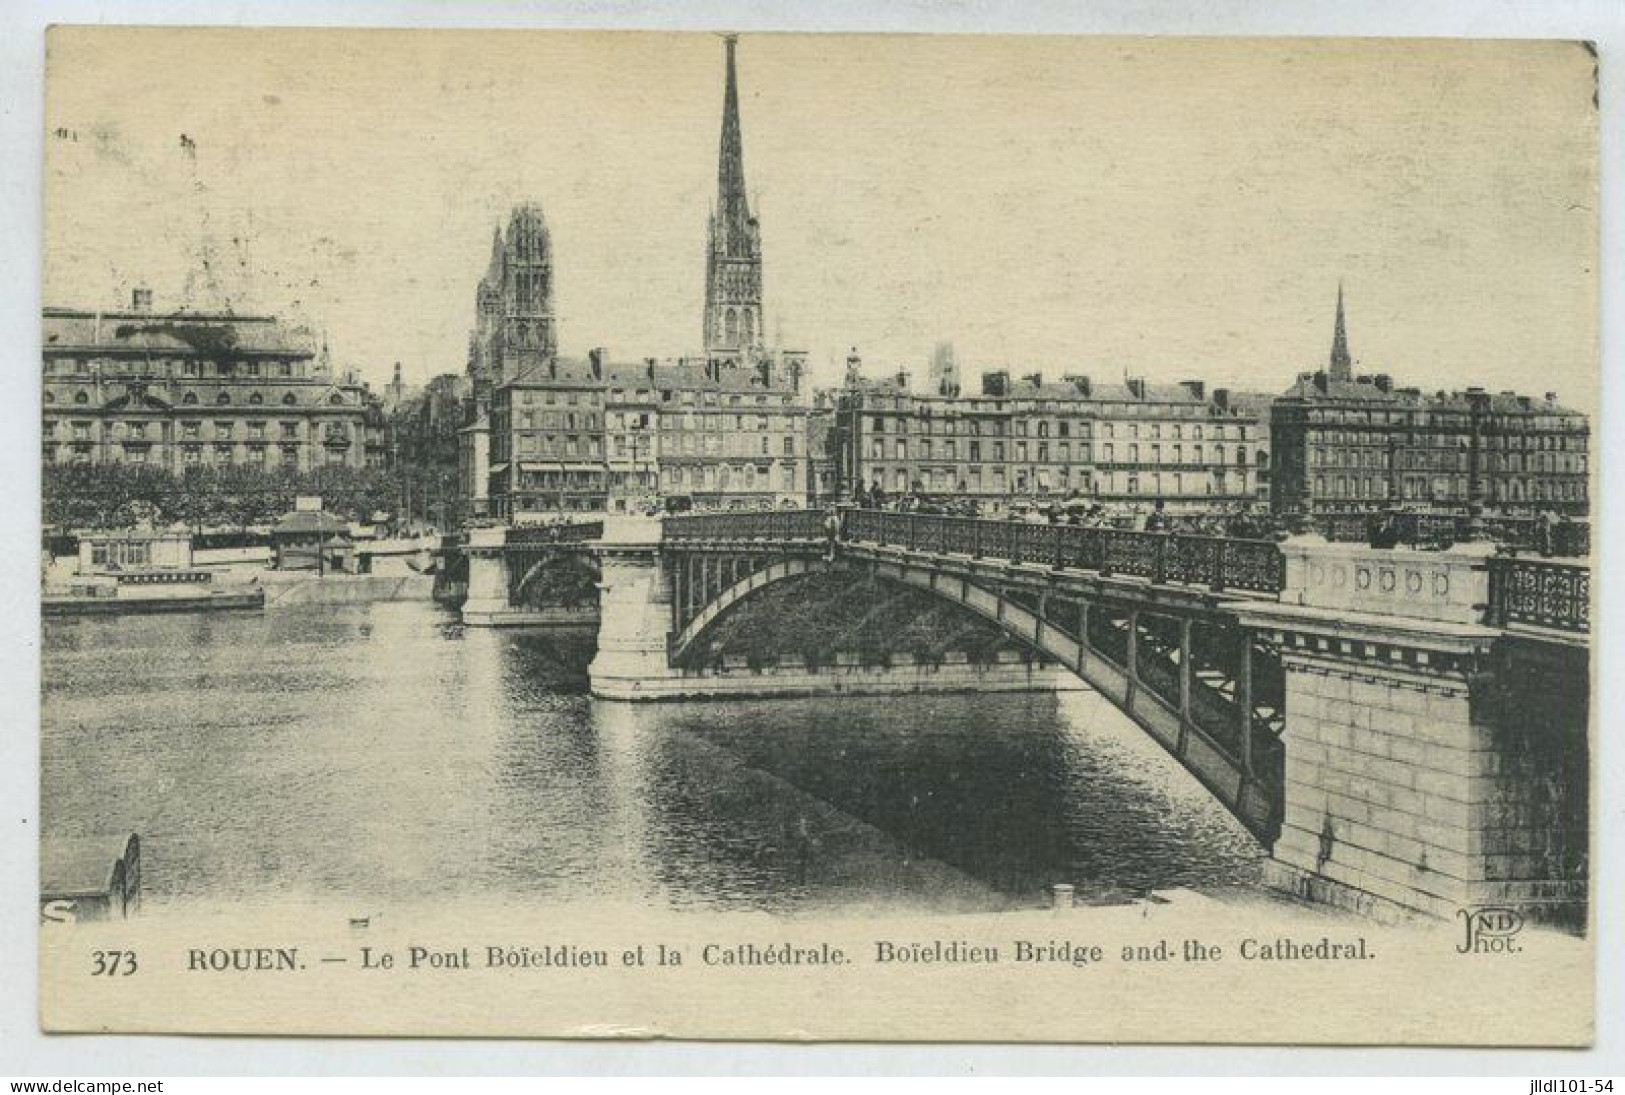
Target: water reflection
383 752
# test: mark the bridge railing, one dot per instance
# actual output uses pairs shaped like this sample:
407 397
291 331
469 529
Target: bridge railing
573 533
1214 561
1540 593
749 525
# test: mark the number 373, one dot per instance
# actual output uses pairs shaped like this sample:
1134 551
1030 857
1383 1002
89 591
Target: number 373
113 963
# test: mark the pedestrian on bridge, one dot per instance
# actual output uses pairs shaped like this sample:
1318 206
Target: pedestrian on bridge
832 533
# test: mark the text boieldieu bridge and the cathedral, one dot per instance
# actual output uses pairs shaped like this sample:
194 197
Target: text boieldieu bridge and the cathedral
1404 731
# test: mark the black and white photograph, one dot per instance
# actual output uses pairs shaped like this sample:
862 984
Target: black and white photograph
920 537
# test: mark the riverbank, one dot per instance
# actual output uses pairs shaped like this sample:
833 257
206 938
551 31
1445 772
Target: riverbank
288 589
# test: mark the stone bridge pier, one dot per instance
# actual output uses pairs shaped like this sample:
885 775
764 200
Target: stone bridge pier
1433 763
507 568
634 613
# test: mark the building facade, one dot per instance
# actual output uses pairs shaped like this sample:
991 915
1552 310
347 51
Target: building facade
1354 444
595 436
1131 444
179 390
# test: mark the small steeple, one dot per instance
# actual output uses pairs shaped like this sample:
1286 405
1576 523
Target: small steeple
1341 363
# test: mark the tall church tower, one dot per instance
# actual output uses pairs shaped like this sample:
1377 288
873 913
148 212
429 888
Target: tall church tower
733 258
526 287
1341 363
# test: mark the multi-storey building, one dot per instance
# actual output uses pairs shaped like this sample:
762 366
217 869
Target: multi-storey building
823 449
734 436
1132 443
1348 444
178 390
595 436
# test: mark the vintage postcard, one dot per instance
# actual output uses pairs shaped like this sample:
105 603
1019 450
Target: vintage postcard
792 536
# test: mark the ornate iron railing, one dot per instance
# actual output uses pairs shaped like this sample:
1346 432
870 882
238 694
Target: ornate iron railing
1216 562
1566 539
574 533
757 525
1541 594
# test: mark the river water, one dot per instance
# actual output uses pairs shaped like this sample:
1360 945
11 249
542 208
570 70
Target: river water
383 753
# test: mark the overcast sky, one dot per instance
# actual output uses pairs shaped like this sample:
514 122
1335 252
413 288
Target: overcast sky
1167 208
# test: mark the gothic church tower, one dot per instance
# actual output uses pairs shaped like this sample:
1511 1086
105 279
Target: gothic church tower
733 258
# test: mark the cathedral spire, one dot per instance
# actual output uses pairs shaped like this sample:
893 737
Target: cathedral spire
1341 363
733 207
733 266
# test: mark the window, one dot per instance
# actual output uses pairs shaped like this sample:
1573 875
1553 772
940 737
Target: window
288 400
223 398
189 399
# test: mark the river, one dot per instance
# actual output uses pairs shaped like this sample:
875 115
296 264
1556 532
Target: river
382 753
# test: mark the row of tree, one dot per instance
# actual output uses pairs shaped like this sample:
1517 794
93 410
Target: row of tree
233 496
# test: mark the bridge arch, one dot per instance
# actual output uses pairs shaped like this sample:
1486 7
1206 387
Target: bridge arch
1253 797
551 563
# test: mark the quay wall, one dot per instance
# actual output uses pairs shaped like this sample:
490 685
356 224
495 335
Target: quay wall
286 590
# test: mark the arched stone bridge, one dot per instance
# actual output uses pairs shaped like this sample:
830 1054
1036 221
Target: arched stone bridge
1404 730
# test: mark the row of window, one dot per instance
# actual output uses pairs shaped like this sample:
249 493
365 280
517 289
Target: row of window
999 481
1061 427
1545 442
1455 460
688 397
197 455
1063 452
1094 408
1438 489
222 399
332 432
727 477
170 367
1445 420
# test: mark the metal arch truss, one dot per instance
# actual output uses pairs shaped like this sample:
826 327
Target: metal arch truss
1173 661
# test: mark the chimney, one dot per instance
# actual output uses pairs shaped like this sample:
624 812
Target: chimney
1196 388
1136 386
1081 383
595 361
1035 379
141 300
1384 382
902 379
996 384
1221 397
1551 397
1321 381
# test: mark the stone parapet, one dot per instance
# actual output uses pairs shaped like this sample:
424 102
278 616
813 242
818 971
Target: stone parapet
1442 586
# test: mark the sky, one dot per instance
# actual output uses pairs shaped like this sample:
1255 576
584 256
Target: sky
1167 208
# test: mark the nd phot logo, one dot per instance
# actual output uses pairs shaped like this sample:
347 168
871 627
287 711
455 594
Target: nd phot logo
1491 930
